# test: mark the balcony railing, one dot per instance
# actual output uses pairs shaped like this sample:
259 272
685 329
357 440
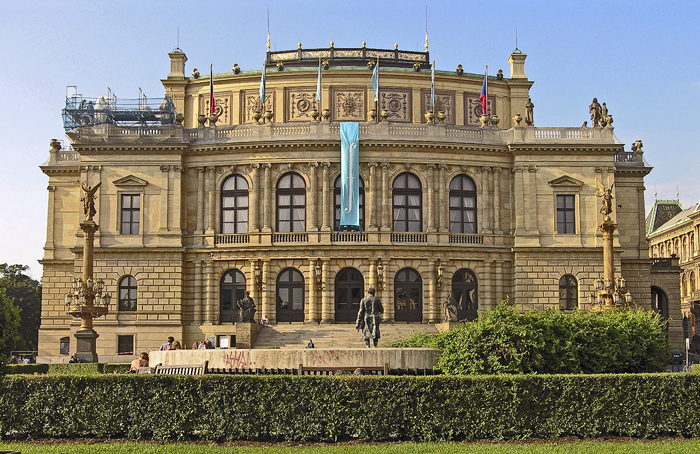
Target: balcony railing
409 238
349 237
232 238
290 237
457 238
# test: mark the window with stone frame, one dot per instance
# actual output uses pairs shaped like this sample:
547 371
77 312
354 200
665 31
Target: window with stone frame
234 205
130 214
462 205
128 289
64 346
566 213
336 197
568 293
407 203
125 345
291 203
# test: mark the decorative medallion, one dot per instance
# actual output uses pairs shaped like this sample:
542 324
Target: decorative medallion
348 104
299 103
222 103
397 102
473 109
444 102
250 104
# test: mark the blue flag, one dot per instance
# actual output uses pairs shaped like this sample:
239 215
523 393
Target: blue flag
375 80
262 87
350 174
318 85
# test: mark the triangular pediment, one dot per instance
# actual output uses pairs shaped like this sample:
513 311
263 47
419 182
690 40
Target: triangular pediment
566 181
130 181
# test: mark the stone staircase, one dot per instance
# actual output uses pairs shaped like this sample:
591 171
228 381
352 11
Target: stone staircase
297 335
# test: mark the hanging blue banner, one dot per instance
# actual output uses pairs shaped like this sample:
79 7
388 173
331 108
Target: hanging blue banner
350 174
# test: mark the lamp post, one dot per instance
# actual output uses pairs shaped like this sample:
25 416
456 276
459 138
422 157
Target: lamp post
380 275
440 271
319 275
85 300
609 291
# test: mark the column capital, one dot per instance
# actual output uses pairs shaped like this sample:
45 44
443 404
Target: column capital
485 169
372 165
385 165
266 165
164 168
313 165
532 168
496 169
432 166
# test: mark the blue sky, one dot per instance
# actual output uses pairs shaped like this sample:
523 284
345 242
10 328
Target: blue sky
640 57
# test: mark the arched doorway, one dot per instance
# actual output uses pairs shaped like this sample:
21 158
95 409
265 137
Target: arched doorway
290 296
349 284
232 289
408 296
659 302
465 292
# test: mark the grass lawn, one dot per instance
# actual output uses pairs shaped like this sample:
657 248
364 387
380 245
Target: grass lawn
675 446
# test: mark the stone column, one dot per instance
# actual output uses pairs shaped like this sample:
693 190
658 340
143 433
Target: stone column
211 204
164 191
200 201
533 198
496 200
267 298
178 201
488 207
431 198
310 309
267 201
499 281
432 294
327 207
386 208
387 295
254 205
487 285
372 278
49 245
371 196
197 292
209 303
443 205
327 306
313 202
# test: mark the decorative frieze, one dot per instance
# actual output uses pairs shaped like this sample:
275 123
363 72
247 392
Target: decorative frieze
222 106
444 102
250 104
299 102
473 109
397 102
348 104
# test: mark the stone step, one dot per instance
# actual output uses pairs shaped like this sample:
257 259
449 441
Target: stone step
297 335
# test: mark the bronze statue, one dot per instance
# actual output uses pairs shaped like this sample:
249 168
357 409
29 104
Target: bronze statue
246 306
369 317
529 113
88 200
450 306
607 197
596 112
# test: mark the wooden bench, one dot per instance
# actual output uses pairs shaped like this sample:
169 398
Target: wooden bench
189 369
327 370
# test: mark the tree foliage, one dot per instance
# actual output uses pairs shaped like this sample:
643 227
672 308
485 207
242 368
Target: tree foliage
26 294
9 326
503 340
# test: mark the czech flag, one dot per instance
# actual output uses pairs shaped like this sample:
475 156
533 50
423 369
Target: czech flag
484 91
212 107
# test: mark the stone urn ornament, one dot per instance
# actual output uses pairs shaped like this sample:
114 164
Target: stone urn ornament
495 120
372 114
441 116
429 116
201 119
517 118
326 114
179 118
257 115
484 120
213 118
384 114
314 114
268 115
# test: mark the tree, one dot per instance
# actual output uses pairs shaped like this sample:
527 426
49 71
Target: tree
26 294
9 326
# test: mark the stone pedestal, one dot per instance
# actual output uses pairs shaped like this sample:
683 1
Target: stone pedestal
246 333
85 348
447 326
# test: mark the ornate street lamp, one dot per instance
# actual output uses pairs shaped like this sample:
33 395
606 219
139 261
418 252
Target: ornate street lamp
257 275
319 275
380 275
440 271
86 300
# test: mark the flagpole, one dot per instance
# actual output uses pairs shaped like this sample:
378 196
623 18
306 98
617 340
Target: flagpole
376 103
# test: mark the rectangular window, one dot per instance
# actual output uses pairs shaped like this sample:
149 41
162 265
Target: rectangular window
131 213
125 345
566 219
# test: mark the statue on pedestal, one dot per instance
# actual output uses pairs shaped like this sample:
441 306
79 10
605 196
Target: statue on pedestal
450 306
246 306
369 317
607 197
88 200
529 113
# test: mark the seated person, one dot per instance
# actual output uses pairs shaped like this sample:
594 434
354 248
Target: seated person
142 361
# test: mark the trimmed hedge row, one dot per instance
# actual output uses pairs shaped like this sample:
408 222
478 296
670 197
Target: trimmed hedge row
67 368
275 408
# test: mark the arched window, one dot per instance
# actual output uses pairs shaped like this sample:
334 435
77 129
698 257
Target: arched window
568 293
407 203
462 205
127 293
408 296
659 302
234 205
291 203
684 285
232 289
465 292
692 282
336 197
290 296
349 285
684 250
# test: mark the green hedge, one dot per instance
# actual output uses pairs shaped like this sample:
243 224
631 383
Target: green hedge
76 368
26 368
227 408
503 340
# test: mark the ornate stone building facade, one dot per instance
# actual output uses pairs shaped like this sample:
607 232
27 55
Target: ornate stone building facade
193 213
673 245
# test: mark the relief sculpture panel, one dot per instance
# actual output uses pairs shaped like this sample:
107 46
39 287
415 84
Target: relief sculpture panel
250 103
444 101
473 109
299 102
222 106
397 102
348 104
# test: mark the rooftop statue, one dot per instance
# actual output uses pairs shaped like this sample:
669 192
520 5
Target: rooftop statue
607 197
88 200
596 112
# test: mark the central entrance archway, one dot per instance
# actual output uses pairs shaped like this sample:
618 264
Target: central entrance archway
349 284
464 290
290 296
408 296
232 290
